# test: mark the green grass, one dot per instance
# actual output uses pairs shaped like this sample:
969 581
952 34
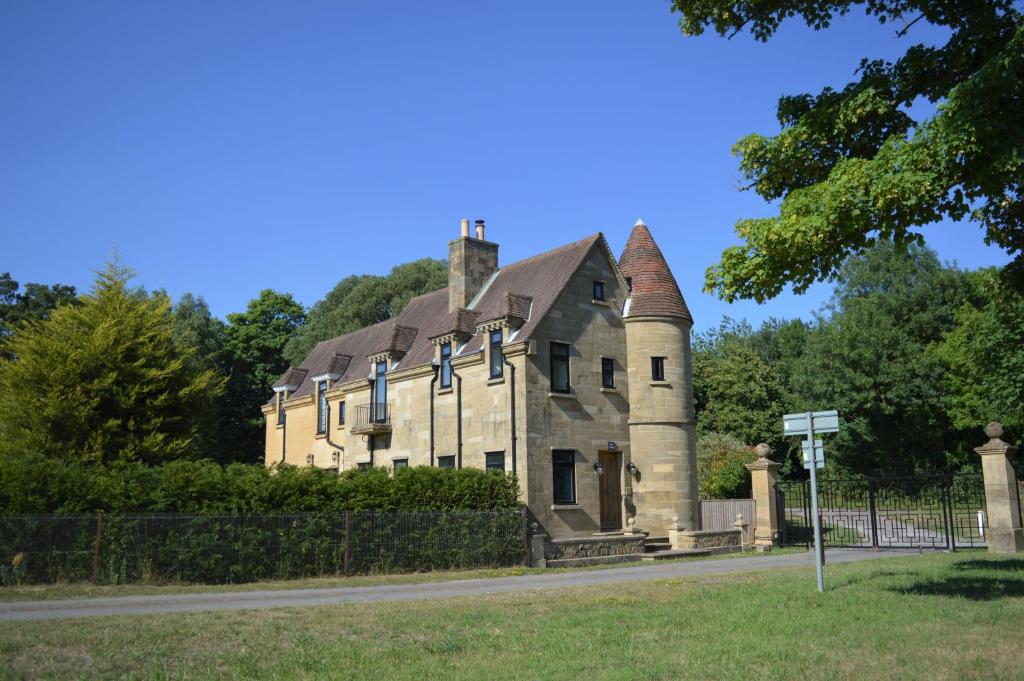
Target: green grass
935 617
39 592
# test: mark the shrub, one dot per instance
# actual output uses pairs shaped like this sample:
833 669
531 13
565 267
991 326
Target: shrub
720 467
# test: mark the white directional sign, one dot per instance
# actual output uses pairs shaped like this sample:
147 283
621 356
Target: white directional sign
823 422
819 454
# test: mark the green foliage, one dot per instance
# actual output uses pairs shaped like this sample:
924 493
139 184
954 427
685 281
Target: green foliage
104 381
721 471
851 166
32 483
253 356
362 300
984 357
33 304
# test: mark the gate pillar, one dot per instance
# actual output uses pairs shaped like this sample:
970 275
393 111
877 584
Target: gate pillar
1002 498
763 476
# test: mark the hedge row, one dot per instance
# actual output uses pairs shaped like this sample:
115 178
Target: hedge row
40 485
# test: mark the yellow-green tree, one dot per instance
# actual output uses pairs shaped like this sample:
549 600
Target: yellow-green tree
105 381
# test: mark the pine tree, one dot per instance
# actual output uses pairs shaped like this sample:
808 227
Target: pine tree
105 381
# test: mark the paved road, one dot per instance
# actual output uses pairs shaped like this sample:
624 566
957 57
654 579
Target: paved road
246 600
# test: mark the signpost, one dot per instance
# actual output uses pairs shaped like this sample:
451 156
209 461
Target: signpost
809 424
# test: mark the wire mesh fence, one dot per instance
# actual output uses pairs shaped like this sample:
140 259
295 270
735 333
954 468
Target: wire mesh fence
156 548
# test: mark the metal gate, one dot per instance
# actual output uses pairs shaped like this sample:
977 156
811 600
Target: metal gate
931 511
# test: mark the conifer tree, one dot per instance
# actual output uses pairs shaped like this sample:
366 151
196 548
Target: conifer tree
105 381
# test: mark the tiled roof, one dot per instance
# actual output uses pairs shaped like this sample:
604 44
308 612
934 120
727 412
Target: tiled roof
291 379
524 291
339 364
655 292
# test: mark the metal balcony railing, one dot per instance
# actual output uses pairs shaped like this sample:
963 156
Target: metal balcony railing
371 418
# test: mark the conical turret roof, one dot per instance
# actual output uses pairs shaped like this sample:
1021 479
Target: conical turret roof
655 292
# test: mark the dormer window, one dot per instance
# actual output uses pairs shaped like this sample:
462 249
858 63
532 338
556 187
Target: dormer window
280 407
446 365
598 290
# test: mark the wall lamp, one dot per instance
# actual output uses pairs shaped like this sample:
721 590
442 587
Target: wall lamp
309 459
631 467
599 467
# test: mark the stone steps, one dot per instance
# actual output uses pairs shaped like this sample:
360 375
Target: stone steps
677 553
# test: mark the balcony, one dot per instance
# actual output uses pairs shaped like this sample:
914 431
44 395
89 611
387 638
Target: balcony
371 419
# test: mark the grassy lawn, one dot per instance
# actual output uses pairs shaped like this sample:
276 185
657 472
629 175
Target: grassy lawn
37 592
935 617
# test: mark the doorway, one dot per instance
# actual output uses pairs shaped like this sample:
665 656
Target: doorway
610 491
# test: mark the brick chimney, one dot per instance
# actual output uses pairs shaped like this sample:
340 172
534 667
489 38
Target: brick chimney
471 262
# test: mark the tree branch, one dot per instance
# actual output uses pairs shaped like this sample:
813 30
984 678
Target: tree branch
903 31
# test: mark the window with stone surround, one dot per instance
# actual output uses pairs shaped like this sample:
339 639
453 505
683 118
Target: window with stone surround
494 461
560 368
447 461
321 407
399 463
598 290
497 368
657 368
280 408
341 413
563 466
446 365
607 372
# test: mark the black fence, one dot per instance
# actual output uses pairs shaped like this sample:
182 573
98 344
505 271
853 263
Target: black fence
156 548
933 512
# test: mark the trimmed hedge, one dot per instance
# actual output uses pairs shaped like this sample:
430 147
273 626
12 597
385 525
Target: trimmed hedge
39 485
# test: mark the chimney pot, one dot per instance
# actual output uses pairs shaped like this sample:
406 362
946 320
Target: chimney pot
465 226
480 230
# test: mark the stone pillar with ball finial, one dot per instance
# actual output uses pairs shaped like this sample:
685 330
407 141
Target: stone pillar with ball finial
763 476
1002 492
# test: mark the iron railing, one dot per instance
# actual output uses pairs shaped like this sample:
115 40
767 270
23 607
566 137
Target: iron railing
240 548
926 511
373 414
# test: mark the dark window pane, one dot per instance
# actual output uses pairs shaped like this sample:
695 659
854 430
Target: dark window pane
321 411
560 368
658 368
280 408
400 463
363 466
446 461
341 413
495 461
564 471
497 368
607 372
446 365
380 393
598 290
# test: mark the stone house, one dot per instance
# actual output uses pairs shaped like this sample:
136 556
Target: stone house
570 369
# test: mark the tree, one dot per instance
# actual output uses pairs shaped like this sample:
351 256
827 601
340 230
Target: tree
104 381
984 357
361 300
34 303
721 469
871 360
851 166
254 343
737 392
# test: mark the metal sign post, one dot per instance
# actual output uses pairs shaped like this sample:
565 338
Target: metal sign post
818 547
808 424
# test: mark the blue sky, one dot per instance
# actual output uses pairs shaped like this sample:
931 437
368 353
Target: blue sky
226 147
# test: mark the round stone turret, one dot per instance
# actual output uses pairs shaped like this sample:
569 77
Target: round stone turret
661 415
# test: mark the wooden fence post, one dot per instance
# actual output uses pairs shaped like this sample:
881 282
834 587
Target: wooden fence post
96 547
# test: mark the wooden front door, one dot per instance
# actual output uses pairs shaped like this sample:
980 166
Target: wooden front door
611 492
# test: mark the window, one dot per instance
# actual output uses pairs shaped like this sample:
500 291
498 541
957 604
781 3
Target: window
559 368
400 463
280 408
321 407
564 470
446 365
380 393
598 290
607 372
341 413
494 461
497 368
446 461
629 283
658 368
365 466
